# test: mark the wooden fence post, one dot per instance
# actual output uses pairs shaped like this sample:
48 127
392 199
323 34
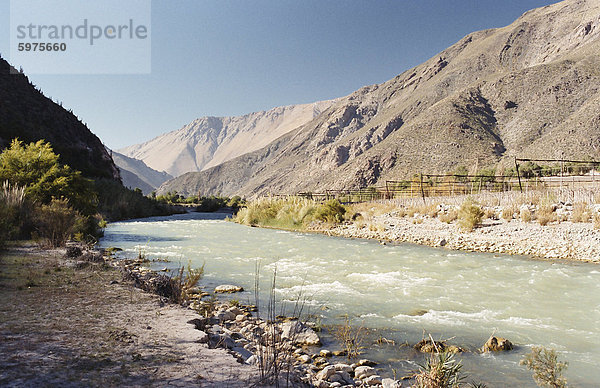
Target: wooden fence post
518 175
422 190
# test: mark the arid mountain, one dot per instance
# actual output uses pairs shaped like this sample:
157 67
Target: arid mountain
26 114
529 89
209 141
136 174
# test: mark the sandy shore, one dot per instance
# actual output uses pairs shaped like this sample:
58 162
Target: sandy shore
565 240
72 323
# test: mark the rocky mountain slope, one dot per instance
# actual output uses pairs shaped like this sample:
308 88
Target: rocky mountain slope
209 141
136 174
531 89
26 114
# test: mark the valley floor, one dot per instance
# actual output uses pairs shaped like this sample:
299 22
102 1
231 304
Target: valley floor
76 323
565 240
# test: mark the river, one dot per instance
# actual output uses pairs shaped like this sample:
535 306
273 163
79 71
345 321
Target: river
397 291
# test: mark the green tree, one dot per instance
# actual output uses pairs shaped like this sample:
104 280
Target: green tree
36 167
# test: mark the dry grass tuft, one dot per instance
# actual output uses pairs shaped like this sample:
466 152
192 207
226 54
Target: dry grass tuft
545 214
469 215
581 213
526 215
449 217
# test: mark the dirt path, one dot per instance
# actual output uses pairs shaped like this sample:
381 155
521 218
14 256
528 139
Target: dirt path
77 324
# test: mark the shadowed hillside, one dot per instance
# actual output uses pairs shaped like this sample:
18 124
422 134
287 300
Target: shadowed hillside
25 113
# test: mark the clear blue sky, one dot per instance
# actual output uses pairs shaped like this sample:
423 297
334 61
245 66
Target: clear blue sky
223 58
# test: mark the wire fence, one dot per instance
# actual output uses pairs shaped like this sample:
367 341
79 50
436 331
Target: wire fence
527 175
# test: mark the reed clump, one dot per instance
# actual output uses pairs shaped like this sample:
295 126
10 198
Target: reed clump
290 213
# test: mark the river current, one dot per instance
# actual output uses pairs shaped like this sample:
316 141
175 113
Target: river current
398 292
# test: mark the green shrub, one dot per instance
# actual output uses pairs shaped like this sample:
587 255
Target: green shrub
547 370
331 211
36 167
469 215
56 222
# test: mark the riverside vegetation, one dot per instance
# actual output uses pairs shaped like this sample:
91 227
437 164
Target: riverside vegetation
43 199
544 223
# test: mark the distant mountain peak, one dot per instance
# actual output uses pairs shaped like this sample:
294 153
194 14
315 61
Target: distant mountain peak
209 141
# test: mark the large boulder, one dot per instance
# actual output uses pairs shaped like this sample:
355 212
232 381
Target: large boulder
299 333
497 344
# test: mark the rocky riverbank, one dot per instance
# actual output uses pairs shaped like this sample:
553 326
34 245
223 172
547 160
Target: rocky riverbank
556 240
73 321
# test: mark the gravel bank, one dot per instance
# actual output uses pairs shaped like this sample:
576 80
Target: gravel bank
565 240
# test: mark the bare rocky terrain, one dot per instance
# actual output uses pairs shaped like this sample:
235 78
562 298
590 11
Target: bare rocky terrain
530 89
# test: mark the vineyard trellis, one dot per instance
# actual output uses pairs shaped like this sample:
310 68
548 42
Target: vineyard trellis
527 175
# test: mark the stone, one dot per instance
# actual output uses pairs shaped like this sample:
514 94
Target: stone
244 353
326 373
325 353
305 359
252 360
426 346
391 383
299 333
236 311
362 372
346 378
202 338
220 341
223 316
343 368
228 288
373 380
497 344
321 384
339 353
365 362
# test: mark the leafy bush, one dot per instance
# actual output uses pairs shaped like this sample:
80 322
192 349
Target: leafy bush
469 215
36 167
547 370
56 222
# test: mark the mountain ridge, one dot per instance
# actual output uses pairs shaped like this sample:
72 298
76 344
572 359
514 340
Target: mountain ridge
136 174
531 88
211 140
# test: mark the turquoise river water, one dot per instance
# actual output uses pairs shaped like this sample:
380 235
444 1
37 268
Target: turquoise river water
397 291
